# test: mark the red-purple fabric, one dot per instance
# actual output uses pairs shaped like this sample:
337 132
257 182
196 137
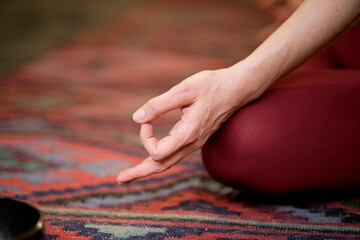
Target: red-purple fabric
302 134
346 51
343 54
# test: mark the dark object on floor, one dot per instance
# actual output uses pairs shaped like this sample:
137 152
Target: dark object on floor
19 220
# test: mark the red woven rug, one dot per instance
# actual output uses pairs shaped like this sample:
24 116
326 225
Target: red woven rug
66 132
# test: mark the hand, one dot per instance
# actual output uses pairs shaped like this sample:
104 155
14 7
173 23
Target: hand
205 99
208 98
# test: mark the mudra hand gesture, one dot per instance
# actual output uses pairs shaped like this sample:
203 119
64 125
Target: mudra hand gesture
205 100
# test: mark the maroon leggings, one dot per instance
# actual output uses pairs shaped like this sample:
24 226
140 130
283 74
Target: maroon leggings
303 134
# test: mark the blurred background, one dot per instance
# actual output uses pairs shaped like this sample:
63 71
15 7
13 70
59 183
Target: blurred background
27 28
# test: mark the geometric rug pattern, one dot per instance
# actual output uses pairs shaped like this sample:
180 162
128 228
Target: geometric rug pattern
66 132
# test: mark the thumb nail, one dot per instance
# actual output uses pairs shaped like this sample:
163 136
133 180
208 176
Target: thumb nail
139 115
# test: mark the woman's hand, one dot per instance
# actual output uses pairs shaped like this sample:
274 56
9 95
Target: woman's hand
206 100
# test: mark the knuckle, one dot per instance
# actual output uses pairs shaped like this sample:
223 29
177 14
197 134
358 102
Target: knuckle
194 134
205 73
156 156
151 107
161 168
184 88
191 139
196 139
195 146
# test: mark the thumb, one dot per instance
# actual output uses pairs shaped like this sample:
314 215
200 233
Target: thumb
175 98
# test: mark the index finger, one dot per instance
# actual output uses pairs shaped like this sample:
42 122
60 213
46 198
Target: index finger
178 137
176 97
149 166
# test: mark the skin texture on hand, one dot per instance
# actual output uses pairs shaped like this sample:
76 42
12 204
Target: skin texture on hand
209 98
205 99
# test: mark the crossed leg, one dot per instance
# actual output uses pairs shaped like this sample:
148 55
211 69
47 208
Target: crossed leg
303 134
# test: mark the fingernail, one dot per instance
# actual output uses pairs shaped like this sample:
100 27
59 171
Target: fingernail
139 115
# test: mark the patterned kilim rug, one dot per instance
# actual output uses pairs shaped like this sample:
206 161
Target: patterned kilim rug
66 132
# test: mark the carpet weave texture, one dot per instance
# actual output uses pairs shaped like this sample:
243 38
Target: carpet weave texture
66 132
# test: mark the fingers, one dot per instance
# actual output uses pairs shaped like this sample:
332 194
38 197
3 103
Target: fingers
144 169
147 138
178 137
158 149
149 167
176 97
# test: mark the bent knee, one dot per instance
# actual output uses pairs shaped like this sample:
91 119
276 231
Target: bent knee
235 159
289 141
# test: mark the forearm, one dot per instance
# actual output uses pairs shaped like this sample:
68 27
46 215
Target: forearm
312 27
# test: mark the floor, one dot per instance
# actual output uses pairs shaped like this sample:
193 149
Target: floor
66 129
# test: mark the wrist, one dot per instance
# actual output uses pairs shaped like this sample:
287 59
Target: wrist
248 80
